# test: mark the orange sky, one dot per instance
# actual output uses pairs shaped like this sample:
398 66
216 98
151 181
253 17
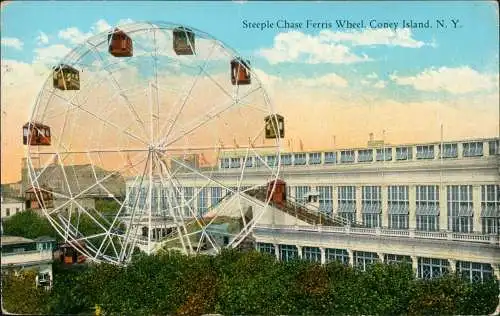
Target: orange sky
312 114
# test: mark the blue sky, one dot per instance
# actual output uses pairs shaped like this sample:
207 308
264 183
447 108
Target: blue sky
474 44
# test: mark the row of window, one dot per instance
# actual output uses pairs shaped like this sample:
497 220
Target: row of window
471 149
427 205
187 201
427 268
191 201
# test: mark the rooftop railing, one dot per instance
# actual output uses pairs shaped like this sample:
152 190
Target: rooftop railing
410 233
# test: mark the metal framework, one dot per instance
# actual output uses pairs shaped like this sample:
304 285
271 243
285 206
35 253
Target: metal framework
134 123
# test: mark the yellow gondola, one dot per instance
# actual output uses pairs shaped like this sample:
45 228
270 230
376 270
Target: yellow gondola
66 77
275 126
183 41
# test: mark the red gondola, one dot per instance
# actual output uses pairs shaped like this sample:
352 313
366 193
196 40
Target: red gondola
183 40
36 134
66 77
70 255
240 72
279 194
275 126
120 44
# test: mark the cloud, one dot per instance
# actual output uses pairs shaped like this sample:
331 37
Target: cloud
16 73
369 37
12 42
372 76
330 80
42 39
50 54
271 82
331 46
379 84
296 46
452 80
74 35
100 26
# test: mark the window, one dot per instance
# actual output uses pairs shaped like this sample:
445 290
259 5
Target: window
362 259
249 162
259 161
164 199
404 153
330 157
371 206
389 258
448 150
288 252
494 147
347 156
131 196
299 159
7 212
154 200
235 163
17 210
460 208
429 268
398 206
224 163
216 196
474 271
266 248
340 255
325 199
142 198
427 207
347 202
271 161
202 201
490 209
384 154
425 152
286 160
188 201
312 254
474 149
365 155
314 158
300 194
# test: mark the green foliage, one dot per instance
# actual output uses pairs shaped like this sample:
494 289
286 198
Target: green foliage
28 224
107 207
237 283
21 294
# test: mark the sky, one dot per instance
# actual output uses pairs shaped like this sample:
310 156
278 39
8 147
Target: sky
333 84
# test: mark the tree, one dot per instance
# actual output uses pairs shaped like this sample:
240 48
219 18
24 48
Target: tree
21 295
29 224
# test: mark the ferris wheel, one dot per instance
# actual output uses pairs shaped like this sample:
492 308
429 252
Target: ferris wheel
152 136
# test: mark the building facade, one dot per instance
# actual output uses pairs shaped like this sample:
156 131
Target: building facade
20 253
436 205
11 206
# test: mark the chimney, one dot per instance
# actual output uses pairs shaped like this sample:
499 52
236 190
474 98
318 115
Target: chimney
371 137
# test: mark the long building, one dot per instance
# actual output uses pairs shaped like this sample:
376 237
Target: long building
436 205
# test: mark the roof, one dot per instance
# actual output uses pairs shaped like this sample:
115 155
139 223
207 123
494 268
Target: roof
44 238
12 200
13 240
35 124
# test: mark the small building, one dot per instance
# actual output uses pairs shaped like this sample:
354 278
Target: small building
19 253
11 206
